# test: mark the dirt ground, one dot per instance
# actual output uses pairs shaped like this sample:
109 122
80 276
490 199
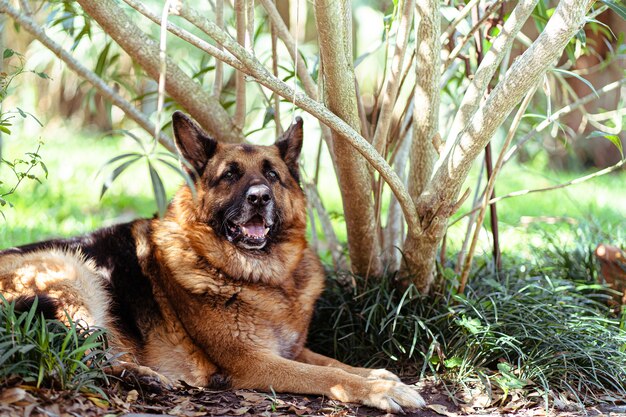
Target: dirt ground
124 400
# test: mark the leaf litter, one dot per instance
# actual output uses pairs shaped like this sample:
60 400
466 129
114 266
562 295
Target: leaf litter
123 398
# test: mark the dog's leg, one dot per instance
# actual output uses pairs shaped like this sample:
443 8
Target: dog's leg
310 357
268 371
142 374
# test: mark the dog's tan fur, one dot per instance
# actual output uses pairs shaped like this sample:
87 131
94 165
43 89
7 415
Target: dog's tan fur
219 315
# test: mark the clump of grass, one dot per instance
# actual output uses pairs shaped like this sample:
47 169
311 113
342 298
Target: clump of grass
48 353
539 333
518 330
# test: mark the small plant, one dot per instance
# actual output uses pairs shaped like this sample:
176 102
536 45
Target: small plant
23 168
50 353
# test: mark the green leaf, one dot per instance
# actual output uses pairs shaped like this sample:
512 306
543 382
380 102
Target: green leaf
616 6
615 140
42 75
4 129
159 190
473 325
102 60
573 74
116 173
183 174
117 158
582 36
8 53
453 362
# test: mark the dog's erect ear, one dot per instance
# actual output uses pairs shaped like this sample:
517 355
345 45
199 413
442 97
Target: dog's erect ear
290 144
192 143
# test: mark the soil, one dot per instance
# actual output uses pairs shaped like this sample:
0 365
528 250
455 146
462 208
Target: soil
128 401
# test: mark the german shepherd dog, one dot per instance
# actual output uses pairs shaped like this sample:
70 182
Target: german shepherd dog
219 292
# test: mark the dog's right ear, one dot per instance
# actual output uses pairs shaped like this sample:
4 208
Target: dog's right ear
192 143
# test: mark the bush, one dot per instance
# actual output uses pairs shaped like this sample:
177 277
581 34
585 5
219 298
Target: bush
522 329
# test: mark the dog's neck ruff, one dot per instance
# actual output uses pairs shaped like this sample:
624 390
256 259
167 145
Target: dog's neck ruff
178 242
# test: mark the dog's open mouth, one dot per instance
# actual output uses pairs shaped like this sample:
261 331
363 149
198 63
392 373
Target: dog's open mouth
250 235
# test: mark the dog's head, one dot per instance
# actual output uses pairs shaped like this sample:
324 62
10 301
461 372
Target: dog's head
248 194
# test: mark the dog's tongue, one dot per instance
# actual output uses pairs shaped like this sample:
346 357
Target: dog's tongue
254 228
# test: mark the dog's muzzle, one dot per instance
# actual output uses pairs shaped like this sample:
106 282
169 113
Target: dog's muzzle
251 228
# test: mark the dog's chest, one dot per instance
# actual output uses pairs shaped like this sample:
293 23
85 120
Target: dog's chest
270 319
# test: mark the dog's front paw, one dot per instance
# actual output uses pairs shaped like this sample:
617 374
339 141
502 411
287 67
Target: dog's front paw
393 397
382 374
145 376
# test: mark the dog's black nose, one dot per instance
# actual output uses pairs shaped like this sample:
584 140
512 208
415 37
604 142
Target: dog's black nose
259 195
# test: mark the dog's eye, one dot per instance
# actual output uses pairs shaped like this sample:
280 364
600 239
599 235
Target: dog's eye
272 175
228 175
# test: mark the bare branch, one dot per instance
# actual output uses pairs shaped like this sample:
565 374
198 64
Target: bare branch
477 87
457 50
352 170
393 234
216 52
162 66
489 189
525 72
334 247
34 29
200 104
219 66
283 33
240 80
276 104
393 81
462 15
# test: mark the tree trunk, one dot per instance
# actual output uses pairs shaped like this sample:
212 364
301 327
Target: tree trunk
144 50
334 31
425 125
438 201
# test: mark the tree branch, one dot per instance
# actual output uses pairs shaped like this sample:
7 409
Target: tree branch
144 50
219 66
457 50
427 95
462 15
107 92
489 189
252 67
562 112
525 72
563 185
352 170
393 81
477 87
283 33
240 78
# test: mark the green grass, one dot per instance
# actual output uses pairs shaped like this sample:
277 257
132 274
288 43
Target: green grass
48 353
68 201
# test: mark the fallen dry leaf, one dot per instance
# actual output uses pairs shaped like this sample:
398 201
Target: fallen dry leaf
442 410
12 395
99 402
132 396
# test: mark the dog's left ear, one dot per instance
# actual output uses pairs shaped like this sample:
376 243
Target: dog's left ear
290 145
192 143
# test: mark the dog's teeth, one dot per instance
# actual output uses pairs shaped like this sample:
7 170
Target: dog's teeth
267 230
